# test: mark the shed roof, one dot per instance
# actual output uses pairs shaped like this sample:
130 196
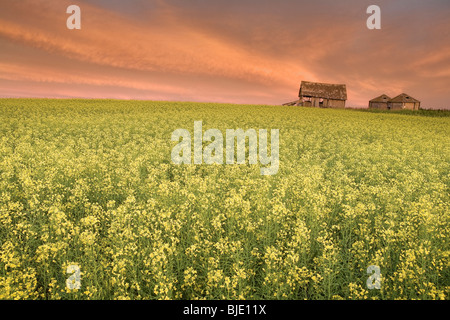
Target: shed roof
382 98
403 98
323 90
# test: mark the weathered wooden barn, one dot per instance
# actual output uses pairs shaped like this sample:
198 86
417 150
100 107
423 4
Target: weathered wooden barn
380 102
403 101
323 95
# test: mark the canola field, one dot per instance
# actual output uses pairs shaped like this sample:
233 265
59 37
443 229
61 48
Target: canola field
90 185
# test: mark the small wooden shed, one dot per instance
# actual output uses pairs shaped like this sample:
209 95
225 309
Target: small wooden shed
403 101
324 95
380 102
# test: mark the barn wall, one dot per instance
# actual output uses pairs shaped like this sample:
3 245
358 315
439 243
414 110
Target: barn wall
409 105
336 103
378 105
306 103
327 103
412 105
395 105
315 102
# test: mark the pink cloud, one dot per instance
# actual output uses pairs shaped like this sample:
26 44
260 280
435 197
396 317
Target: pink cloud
209 56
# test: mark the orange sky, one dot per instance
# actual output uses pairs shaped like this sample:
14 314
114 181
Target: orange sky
248 51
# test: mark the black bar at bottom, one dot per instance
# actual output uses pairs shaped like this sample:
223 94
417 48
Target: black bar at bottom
220 309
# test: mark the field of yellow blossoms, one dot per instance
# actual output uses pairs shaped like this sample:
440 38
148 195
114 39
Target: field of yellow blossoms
90 184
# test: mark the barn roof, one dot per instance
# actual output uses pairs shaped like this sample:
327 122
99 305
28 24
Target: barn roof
323 90
403 98
382 98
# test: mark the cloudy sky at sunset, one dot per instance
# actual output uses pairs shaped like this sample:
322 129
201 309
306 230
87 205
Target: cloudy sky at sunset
237 51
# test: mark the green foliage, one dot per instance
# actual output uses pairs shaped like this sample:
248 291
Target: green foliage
420 112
